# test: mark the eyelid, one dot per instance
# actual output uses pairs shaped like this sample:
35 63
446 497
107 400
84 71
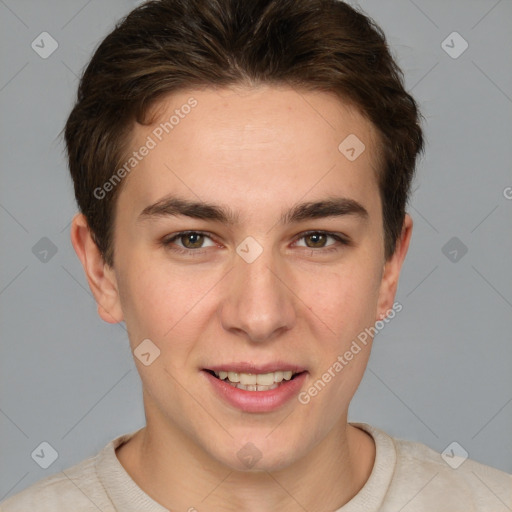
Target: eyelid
168 240
339 237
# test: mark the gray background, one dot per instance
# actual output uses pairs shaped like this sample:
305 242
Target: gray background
440 372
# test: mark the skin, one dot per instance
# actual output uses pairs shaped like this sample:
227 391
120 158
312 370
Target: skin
258 151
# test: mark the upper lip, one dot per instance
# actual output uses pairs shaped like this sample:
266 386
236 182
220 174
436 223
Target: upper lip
245 367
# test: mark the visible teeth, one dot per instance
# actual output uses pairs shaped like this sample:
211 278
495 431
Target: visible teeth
233 377
253 387
265 379
266 388
247 378
253 379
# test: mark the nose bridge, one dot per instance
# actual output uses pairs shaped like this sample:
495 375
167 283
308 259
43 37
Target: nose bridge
257 301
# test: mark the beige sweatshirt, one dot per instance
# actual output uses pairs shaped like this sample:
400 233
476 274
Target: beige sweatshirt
407 477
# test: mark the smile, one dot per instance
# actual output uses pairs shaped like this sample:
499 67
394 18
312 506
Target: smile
256 390
255 381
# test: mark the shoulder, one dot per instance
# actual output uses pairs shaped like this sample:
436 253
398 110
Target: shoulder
76 488
412 477
424 476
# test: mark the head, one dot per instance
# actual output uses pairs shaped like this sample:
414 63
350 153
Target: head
267 113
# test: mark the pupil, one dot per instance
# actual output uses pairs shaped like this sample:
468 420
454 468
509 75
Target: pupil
317 235
192 236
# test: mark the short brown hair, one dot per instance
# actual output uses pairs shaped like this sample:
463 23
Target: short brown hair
168 45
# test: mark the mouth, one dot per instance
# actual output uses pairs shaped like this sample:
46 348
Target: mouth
255 381
255 388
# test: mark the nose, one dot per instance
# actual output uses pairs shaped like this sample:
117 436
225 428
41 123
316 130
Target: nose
259 302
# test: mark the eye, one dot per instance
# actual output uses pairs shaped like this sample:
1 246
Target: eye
319 238
190 241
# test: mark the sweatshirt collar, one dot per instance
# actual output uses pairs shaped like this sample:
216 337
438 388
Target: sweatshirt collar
127 496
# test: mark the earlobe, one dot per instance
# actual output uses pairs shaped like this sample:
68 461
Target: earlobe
392 267
101 278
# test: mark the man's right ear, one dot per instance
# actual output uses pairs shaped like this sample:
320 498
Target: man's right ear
101 277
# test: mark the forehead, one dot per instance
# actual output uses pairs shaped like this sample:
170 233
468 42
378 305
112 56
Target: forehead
240 143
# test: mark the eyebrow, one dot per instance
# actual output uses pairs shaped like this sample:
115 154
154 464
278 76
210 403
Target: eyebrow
328 207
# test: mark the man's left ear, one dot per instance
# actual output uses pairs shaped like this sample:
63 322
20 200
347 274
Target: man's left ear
391 273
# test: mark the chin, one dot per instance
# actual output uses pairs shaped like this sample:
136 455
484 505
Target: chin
259 452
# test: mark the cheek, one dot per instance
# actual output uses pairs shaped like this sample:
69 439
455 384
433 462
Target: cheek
344 303
344 300
143 301
159 300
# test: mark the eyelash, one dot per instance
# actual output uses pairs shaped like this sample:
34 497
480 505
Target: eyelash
167 242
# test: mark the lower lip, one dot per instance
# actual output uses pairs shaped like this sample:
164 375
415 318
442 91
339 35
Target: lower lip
257 401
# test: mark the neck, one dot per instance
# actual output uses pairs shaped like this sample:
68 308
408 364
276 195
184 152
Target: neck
175 473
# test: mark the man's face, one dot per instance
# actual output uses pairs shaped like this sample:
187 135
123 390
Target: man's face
258 291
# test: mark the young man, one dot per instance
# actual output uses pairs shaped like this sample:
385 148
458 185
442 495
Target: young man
242 171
